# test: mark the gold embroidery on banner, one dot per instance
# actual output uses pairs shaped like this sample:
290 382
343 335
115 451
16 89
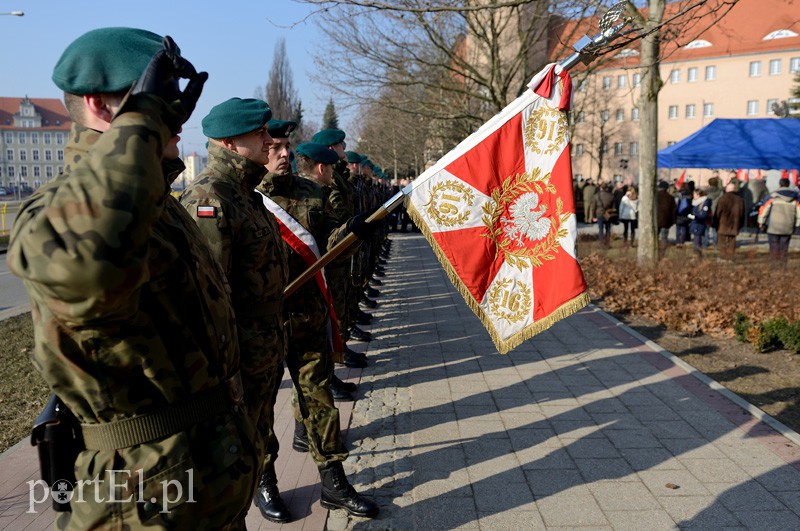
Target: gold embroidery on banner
545 130
510 305
450 203
520 195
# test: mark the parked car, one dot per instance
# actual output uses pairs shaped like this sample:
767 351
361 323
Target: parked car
3 190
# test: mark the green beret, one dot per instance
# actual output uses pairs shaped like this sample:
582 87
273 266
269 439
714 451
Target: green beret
328 137
105 60
353 157
280 128
236 117
317 152
366 162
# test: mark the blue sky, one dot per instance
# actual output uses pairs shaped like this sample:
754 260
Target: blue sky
233 41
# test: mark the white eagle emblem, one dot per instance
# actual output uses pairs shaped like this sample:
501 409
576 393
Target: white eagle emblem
526 219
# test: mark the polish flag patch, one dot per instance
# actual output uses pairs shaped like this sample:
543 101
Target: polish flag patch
206 212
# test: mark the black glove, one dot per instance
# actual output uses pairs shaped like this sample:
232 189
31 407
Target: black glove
358 225
160 78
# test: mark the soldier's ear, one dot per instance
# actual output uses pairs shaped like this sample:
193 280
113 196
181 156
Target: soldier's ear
99 111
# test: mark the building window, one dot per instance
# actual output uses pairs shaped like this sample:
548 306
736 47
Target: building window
9 155
11 172
670 143
604 149
48 172
755 68
618 149
23 172
60 170
708 110
690 110
35 154
794 65
60 154
9 137
752 107
637 80
23 154
620 115
578 150
635 114
711 73
770 104
59 138
604 115
675 76
34 138
48 154
37 172
634 147
46 138
673 112
581 117
22 137
691 75
774 67
582 85
606 82
622 81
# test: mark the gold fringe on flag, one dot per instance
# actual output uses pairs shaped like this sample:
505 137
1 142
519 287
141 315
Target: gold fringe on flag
503 345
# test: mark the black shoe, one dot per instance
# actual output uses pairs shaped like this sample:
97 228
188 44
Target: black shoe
369 303
363 321
268 498
379 272
350 387
337 493
363 315
381 261
300 439
372 292
355 362
376 282
338 391
360 335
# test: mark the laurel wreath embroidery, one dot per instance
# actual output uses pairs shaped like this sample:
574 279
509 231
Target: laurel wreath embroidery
518 303
546 122
447 213
506 194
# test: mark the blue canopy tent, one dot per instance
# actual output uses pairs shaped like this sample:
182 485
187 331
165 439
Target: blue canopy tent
765 143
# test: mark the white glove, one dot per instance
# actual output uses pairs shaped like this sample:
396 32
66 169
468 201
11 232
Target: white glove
690 216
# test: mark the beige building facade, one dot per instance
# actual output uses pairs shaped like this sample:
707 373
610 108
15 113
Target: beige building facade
740 67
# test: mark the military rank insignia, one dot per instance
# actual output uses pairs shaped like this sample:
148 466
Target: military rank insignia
206 211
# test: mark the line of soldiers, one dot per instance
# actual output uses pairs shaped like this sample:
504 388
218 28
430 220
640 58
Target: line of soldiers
161 324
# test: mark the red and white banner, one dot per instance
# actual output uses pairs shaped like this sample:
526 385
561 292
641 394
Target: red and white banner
499 212
303 243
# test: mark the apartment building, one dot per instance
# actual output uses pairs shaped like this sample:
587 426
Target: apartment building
739 67
33 134
195 164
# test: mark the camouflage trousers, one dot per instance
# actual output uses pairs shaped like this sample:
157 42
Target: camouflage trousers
201 478
312 355
340 283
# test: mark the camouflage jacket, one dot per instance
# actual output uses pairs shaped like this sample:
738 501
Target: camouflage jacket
306 201
245 238
131 311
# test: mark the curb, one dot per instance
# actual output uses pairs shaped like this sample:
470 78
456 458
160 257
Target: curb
773 423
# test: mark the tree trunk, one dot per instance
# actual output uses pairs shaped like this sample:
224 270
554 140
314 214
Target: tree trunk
647 255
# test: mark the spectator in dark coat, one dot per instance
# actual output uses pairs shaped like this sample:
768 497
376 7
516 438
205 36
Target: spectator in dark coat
665 216
700 218
604 201
728 220
682 220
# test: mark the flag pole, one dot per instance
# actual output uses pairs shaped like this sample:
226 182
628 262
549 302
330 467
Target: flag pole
585 52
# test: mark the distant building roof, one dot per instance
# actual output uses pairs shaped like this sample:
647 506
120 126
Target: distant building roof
54 114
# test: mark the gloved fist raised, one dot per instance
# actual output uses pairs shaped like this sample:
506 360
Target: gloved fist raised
161 78
358 225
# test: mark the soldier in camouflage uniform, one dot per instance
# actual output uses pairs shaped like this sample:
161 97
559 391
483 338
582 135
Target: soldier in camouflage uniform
245 238
133 320
342 198
309 346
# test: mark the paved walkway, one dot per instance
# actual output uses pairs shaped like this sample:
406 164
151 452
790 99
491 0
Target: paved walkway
585 425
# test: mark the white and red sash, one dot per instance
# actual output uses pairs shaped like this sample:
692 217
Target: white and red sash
304 244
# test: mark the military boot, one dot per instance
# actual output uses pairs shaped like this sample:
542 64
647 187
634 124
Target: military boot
300 439
339 393
360 335
347 386
268 498
337 493
372 292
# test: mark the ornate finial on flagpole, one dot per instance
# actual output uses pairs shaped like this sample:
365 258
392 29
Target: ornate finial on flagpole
586 48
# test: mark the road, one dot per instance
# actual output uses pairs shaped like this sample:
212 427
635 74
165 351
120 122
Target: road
13 297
